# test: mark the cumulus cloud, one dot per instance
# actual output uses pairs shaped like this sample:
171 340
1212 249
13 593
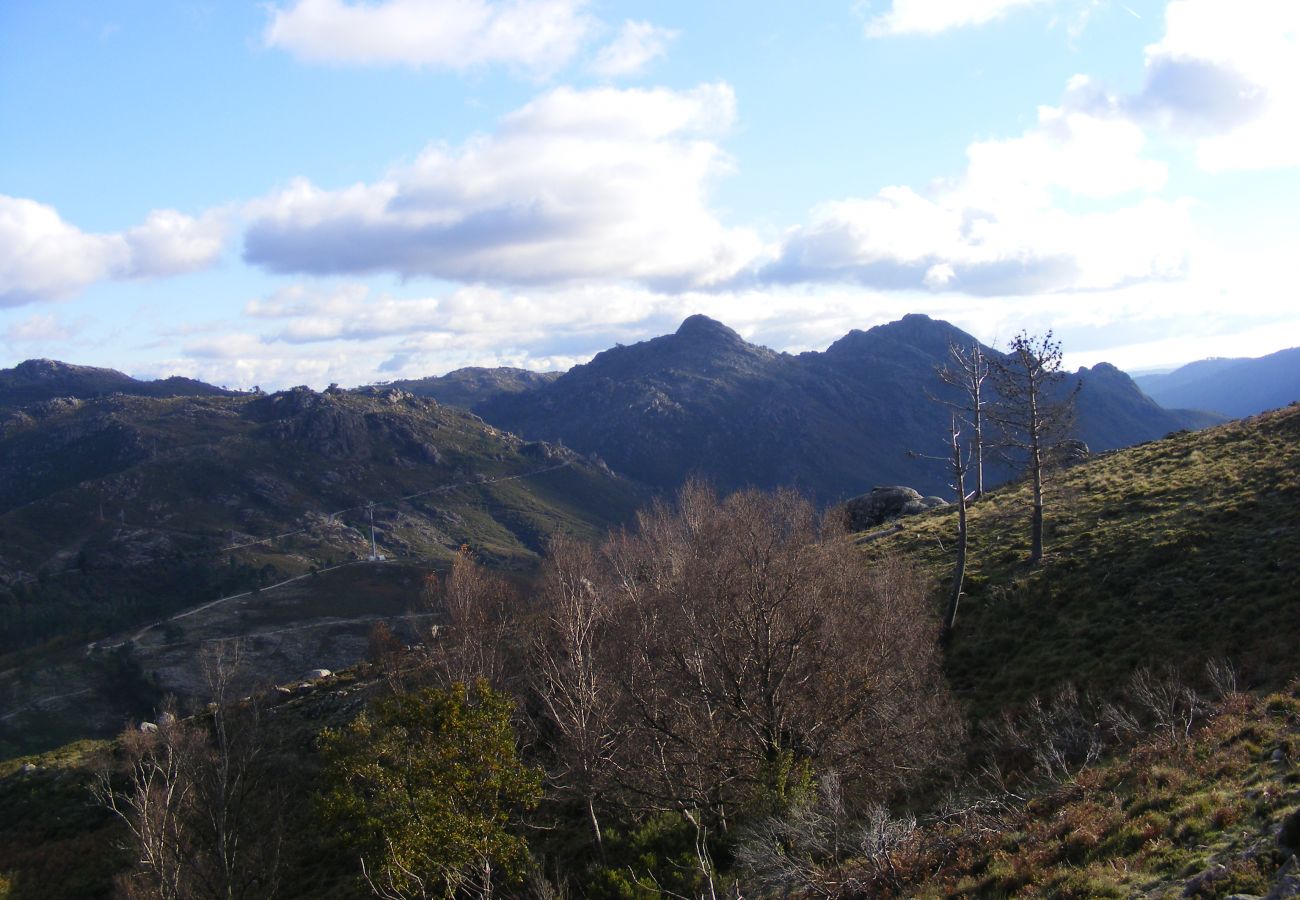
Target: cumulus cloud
539 35
1011 224
598 184
1224 75
638 44
1228 73
934 16
42 257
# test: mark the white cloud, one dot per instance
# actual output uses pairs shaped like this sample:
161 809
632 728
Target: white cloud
539 35
1228 73
1068 205
42 257
934 16
638 44
600 184
40 329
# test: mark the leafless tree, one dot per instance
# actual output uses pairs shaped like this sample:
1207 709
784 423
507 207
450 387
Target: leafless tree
966 371
238 815
751 642
198 799
959 462
479 606
153 796
1032 412
571 675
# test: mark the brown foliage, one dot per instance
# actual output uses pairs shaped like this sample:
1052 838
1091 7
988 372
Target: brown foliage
729 646
478 639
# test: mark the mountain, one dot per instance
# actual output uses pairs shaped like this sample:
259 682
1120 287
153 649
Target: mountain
702 401
1232 387
116 509
45 379
475 385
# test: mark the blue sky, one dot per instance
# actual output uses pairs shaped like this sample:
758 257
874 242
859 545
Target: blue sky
315 191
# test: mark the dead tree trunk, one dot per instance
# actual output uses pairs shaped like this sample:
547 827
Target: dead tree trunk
959 568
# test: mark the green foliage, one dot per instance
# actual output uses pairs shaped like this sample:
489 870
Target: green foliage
55 843
424 787
652 859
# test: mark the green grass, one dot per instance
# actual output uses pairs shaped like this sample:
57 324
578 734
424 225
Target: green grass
1170 552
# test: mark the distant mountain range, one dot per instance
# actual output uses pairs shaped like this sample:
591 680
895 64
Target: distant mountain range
703 401
1231 387
45 379
469 387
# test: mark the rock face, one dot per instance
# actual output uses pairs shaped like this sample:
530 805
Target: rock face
884 503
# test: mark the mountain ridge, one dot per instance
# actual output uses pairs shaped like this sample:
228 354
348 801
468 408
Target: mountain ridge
1234 387
37 380
703 402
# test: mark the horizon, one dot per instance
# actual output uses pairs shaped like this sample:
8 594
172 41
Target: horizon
383 382
399 189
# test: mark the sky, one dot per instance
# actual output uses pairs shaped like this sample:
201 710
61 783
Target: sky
334 191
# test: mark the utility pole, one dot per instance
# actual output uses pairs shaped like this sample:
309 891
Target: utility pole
374 549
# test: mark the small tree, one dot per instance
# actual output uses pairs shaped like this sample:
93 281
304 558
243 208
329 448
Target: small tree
153 796
966 370
479 607
958 464
1032 413
572 677
424 787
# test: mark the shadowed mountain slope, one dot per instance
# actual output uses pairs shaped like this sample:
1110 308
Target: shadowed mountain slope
703 401
117 509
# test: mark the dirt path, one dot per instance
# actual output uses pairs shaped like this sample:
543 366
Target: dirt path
139 635
41 702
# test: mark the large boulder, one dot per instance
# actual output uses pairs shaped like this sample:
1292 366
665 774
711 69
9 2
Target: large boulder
884 503
1067 453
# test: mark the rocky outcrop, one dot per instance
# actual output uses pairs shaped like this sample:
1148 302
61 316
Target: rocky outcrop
882 504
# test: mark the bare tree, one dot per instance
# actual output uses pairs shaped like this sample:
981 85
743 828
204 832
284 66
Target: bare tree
479 607
959 464
199 800
966 370
1032 412
153 796
238 814
572 679
751 643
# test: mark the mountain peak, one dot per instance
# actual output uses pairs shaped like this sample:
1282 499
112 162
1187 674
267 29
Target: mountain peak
702 327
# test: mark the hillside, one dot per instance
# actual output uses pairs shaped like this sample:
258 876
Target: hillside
120 511
475 385
37 380
1161 555
1231 387
1170 552
703 401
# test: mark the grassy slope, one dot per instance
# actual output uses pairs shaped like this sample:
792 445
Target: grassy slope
1208 816
1170 552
